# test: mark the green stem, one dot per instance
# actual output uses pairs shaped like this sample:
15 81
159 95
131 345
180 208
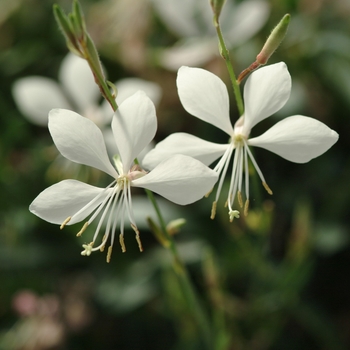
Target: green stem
185 282
100 79
226 56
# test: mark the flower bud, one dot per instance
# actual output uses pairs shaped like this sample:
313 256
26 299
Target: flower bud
217 5
274 40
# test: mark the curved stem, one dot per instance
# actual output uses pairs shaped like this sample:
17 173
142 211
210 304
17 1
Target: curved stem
226 56
185 282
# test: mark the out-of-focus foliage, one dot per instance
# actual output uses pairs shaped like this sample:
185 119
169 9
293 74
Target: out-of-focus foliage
274 280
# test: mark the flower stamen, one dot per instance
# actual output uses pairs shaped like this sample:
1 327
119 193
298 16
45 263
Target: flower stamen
138 239
213 210
104 239
65 222
121 241
83 229
109 254
267 188
246 207
240 200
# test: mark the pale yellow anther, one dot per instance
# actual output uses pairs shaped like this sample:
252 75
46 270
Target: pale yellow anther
65 222
233 214
137 236
207 195
246 207
239 197
122 244
226 204
138 239
104 239
213 210
267 188
109 254
83 229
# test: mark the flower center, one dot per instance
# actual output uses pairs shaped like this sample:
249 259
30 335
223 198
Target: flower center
240 169
114 204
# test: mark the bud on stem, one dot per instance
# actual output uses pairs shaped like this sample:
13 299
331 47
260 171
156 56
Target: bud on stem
273 41
80 43
217 6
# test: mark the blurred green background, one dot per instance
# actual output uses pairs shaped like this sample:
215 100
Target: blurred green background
278 279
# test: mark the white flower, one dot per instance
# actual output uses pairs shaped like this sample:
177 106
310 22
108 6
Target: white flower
192 20
35 96
180 179
297 138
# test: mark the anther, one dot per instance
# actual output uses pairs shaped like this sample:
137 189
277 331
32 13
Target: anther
267 188
109 254
65 222
239 197
207 195
121 241
83 229
246 207
213 210
138 239
104 239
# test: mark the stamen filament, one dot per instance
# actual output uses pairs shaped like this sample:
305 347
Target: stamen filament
224 171
246 172
255 164
234 179
94 200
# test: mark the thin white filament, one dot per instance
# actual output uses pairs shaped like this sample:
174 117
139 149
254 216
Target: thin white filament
93 201
255 164
224 171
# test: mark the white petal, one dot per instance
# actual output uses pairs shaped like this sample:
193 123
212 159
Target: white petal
297 139
79 140
77 79
265 92
186 144
64 199
194 51
128 86
36 96
134 126
241 21
178 15
205 96
180 179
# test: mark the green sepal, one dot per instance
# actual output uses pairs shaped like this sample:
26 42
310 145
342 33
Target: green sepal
64 24
79 21
217 6
93 58
158 233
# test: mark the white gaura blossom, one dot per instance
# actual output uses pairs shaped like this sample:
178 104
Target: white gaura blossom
297 138
75 90
192 22
180 179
